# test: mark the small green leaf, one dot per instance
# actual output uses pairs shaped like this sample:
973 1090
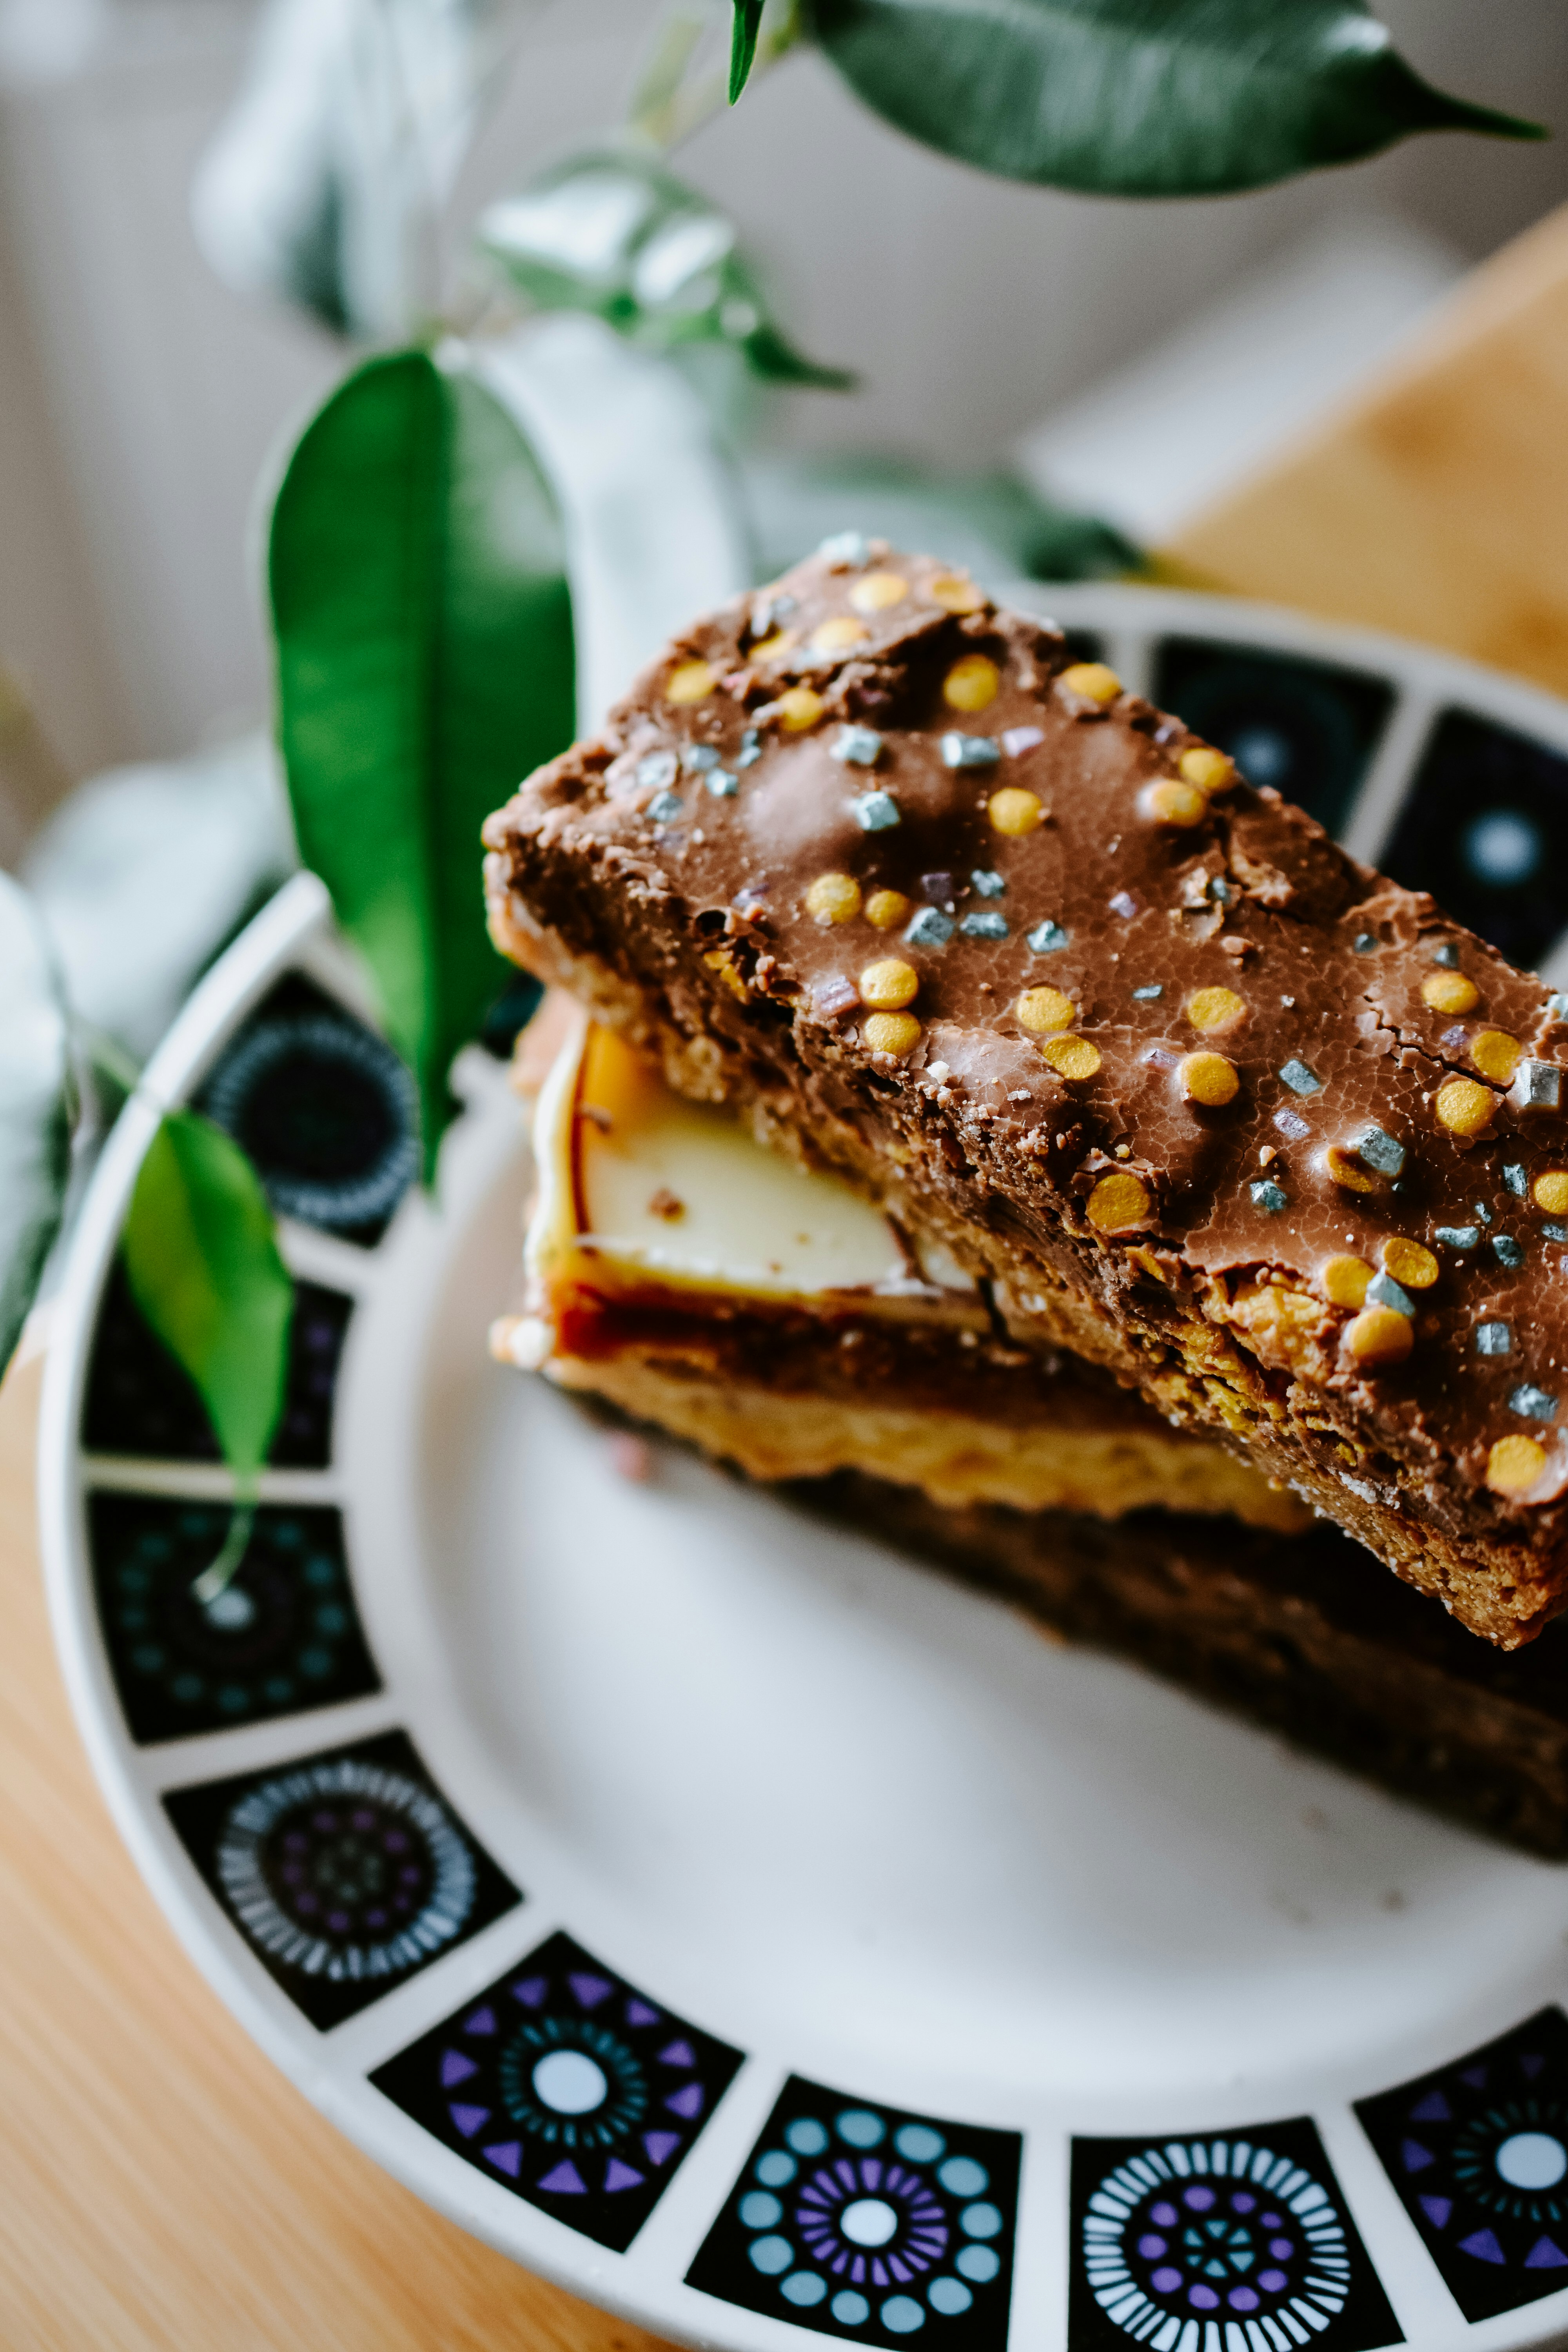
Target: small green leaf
616 235
35 1109
204 1268
425 667
744 43
1141 98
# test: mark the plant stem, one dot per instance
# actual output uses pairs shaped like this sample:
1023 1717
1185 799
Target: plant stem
215 1581
668 101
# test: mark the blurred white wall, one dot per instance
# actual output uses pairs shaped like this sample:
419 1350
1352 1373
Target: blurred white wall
139 400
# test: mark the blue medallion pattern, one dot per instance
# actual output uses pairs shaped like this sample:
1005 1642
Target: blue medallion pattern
324 1108
1241 2242
1485 829
569 2086
1478 2152
1308 728
284 1635
345 1873
870 2222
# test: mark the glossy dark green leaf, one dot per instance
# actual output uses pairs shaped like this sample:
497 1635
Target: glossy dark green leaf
1140 97
425 666
743 44
617 234
35 1107
202 1260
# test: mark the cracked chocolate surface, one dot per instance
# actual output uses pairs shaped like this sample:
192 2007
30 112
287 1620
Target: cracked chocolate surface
812 731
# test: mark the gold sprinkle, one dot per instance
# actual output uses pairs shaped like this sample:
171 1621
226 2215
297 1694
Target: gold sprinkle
1015 810
720 960
890 984
1450 992
1071 1057
1463 1108
876 589
1497 1055
891 1033
886 907
1118 1201
834 899
771 647
694 681
1209 769
835 635
1173 804
971 683
1409 1262
1211 1008
956 594
1379 1336
1045 1010
799 708
1209 1079
1514 1464
1344 1281
1551 1191
1346 1168
1091 682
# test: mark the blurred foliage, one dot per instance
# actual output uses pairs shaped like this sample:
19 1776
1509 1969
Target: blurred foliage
202 1259
1141 98
425 666
35 1109
614 234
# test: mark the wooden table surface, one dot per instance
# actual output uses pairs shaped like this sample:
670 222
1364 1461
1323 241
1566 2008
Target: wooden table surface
161 2186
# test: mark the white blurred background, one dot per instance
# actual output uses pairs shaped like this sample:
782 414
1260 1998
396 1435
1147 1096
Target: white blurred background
988 322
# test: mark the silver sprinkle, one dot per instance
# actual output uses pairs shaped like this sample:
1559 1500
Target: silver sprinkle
664 808
1457 1237
858 747
1514 1177
969 752
1508 1252
1448 955
750 750
697 758
1380 1150
1384 1291
657 769
1149 996
1494 1339
875 811
930 928
1534 1404
988 884
722 785
1365 942
983 926
1299 1079
1537 1086
1046 938
1267 1196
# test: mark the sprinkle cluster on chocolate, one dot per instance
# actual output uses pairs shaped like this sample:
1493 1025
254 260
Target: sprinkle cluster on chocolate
1202 1095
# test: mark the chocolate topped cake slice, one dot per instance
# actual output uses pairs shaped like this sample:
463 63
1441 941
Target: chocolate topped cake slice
1195 1096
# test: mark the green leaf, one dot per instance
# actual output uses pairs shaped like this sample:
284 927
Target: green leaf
425 666
744 43
1141 98
35 1109
204 1268
616 235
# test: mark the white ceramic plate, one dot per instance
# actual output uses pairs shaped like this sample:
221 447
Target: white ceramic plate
741 1926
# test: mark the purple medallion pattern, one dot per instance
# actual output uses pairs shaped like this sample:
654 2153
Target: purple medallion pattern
569 2088
1183 2243
868 2222
345 1873
1478 2154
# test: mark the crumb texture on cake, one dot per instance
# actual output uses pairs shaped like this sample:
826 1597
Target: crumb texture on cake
1203 1100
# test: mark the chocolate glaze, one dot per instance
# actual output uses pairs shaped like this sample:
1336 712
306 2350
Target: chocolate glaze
682 910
